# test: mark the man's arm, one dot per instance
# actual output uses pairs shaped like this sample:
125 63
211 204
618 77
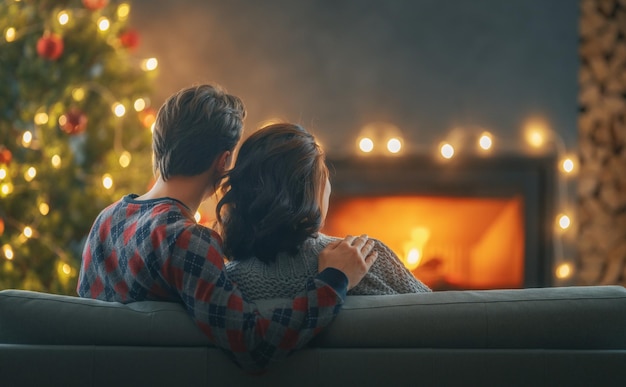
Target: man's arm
236 325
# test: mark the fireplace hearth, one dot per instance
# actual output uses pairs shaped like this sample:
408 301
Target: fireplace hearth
464 223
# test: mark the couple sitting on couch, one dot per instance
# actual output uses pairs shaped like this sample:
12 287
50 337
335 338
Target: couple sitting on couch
275 199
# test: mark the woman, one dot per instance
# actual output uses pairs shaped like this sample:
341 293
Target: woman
274 204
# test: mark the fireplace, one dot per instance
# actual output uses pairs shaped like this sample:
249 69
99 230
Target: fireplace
466 223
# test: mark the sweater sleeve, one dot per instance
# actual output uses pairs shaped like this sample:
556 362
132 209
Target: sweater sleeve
251 337
388 275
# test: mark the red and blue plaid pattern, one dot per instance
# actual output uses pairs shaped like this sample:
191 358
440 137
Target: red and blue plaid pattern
154 250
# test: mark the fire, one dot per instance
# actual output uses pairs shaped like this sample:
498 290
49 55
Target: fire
414 248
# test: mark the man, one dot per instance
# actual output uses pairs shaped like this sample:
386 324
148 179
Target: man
149 247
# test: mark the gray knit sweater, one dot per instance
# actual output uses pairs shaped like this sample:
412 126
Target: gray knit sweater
286 276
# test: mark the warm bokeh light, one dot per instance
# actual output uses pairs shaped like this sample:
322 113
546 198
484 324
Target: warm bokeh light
366 145
197 216
44 209
123 10
67 269
150 64
446 150
28 232
564 221
535 139
27 138
103 24
56 161
30 174
394 145
139 104
63 17
3 173
6 189
10 34
8 251
107 181
567 165
563 271
78 94
485 141
118 109
536 132
41 118
125 159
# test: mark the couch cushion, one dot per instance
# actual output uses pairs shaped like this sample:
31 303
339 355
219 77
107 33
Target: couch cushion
591 317
28 317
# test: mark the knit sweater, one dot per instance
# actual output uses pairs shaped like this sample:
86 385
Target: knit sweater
155 250
288 274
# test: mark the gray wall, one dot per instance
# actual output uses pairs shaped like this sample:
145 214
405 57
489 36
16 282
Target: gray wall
427 66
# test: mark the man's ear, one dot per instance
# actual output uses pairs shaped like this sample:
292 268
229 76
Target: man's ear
223 162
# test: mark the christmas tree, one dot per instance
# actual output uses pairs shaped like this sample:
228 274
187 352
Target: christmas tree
75 123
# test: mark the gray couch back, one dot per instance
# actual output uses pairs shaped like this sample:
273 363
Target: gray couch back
547 318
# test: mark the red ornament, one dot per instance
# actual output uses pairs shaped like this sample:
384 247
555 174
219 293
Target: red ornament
1 226
95 4
50 46
5 155
130 39
73 122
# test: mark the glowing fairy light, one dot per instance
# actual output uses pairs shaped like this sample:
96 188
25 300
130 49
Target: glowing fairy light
150 64
3 173
56 161
27 138
139 104
30 174
446 150
44 209
10 34
28 232
41 118
366 145
103 24
123 10
125 159
485 141
6 189
67 269
118 109
107 181
197 216
564 221
63 17
78 93
394 145
567 165
8 251
563 271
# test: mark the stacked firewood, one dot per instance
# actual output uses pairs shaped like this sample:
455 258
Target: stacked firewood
602 143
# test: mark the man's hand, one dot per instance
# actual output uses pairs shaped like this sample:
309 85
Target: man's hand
353 256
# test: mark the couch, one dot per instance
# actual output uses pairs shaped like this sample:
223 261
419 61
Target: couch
561 336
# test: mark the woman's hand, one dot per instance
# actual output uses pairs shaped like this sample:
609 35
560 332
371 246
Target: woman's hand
353 256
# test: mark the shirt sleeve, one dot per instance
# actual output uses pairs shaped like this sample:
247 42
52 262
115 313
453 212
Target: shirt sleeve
251 337
388 275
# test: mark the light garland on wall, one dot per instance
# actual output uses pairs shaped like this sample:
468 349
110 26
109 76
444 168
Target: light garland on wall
538 137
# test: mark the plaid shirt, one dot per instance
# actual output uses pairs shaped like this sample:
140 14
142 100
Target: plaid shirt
155 250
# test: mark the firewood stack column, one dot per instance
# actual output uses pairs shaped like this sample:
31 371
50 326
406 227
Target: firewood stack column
602 144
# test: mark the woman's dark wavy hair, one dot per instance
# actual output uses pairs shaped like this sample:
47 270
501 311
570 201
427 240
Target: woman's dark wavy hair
272 196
